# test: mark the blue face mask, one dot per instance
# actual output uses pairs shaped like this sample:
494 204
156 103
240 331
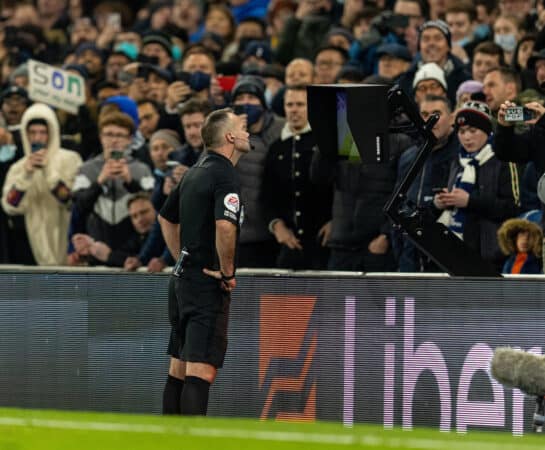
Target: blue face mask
253 112
176 53
199 81
159 173
507 42
481 31
7 152
128 48
462 42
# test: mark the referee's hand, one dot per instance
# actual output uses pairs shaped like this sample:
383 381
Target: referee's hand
226 285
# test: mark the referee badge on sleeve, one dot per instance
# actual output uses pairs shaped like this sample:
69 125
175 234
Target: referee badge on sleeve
232 203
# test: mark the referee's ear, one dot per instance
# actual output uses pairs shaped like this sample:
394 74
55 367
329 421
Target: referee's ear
230 137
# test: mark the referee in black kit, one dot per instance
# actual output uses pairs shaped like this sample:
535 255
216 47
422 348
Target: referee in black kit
200 223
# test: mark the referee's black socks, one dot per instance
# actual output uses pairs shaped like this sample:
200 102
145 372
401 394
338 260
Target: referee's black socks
172 395
195 397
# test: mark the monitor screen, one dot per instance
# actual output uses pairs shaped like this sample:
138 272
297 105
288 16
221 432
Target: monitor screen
346 145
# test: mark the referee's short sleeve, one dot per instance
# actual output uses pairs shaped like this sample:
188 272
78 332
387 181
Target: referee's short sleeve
171 207
227 203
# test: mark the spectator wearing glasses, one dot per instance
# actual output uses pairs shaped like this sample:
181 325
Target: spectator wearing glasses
104 183
429 80
328 63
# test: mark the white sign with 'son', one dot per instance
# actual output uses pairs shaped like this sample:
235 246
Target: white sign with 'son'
55 87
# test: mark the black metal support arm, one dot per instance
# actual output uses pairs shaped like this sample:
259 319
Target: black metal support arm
434 239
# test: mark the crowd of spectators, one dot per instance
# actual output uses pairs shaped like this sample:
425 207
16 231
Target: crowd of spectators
85 188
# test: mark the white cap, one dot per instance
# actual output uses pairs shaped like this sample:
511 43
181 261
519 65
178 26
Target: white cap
430 71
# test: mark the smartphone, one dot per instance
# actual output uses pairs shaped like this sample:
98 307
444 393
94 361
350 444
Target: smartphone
227 82
518 114
437 190
398 21
143 71
151 60
183 76
114 20
36 146
172 163
117 155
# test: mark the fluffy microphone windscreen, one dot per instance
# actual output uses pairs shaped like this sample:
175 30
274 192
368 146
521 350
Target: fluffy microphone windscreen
518 369
503 365
530 374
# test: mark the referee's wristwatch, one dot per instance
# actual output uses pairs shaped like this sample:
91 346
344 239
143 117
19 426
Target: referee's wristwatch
227 278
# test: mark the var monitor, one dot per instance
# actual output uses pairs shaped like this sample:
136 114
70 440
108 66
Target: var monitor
350 121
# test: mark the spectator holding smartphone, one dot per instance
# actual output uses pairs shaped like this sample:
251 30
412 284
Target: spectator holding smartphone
482 191
525 147
162 145
105 183
39 186
196 80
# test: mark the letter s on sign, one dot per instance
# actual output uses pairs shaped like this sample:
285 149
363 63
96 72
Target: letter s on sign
41 78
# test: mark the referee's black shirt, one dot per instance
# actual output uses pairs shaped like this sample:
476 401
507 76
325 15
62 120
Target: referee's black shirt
209 191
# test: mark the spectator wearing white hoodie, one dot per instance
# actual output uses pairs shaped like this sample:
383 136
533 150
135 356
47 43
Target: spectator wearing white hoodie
39 185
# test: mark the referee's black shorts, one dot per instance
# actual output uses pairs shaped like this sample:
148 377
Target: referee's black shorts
198 312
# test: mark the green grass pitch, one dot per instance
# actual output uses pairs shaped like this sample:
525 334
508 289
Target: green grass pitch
54 430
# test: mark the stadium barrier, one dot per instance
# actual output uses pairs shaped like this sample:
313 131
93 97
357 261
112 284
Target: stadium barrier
398 350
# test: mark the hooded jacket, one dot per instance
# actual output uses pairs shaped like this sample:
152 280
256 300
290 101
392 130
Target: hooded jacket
43 197
507 238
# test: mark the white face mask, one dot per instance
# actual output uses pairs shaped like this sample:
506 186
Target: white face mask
507 42
7 152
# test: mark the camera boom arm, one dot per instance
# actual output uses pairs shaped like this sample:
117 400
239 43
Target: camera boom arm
434 239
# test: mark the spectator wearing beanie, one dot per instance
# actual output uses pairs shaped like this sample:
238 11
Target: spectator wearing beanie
429 80
257 246
434 45
156 44
393 60
90 56
257 54
467 91
339 37
482 191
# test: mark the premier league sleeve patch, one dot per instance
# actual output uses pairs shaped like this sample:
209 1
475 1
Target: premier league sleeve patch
232 203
